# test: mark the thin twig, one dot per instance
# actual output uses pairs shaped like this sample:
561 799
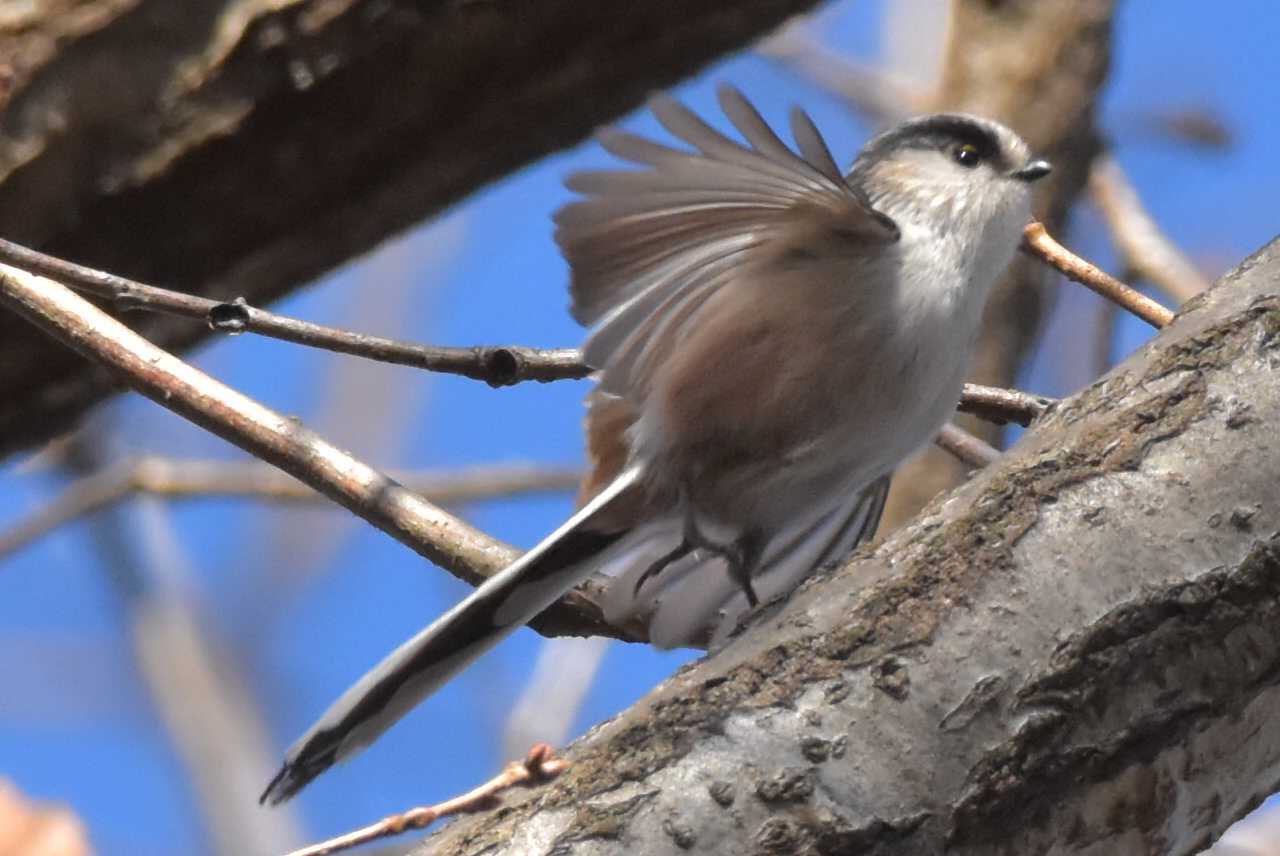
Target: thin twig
184 479
1202 127
496 365
447 541
970 450
1148 252
1001 406
539 766
1037 243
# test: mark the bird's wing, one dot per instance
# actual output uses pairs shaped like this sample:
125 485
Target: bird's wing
647 247
505 602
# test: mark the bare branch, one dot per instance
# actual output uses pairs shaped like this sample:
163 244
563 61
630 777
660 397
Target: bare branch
1001 406
1201 126
972 451
495 365
539 766
1036 242
202 696
185 479
869 91
1147 251
442 538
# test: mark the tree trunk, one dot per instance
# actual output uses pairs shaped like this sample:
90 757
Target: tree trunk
243 147
1076 652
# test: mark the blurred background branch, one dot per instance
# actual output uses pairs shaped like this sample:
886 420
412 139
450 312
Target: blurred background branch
1147 252
203 701
254 480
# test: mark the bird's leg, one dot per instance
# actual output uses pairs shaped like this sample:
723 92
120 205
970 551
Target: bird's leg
743 555
690 539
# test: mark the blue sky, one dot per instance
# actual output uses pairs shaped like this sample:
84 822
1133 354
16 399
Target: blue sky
305 601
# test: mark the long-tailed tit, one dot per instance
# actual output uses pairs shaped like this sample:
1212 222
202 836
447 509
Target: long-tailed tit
771 339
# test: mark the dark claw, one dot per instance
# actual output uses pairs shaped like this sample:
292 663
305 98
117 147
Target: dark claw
743 556
745 581
683 549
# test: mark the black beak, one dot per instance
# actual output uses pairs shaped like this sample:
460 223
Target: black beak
1034 170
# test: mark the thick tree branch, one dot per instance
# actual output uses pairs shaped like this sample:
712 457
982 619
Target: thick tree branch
243 147
1077 651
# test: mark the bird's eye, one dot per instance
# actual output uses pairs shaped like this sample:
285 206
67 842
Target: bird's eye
967 155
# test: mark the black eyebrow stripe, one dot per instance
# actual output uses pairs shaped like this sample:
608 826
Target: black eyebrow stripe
954 129
938 132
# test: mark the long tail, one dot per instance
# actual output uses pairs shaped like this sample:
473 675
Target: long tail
428 660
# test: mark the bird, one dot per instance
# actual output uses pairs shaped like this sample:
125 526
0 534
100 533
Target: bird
770 339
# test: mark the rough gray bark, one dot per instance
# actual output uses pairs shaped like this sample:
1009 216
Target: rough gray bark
1076 652
243 147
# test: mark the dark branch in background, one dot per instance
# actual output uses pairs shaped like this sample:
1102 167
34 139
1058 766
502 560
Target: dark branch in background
186 479
200 692
447 541
256 144
539 766
970 450
1200 126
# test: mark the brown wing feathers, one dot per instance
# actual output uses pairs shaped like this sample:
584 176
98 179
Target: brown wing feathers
633 221
648 246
